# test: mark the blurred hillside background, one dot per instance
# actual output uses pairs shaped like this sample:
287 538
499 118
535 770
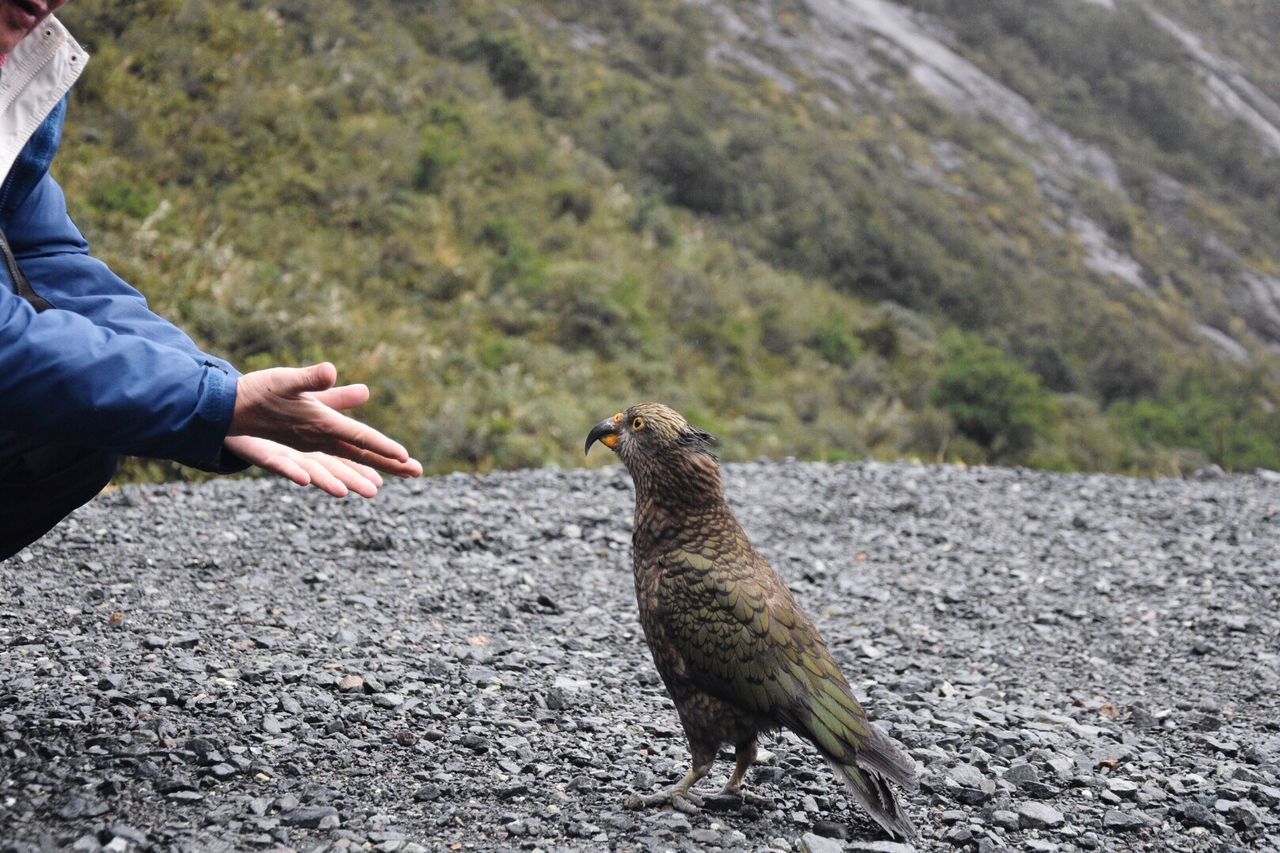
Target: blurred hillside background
1038 232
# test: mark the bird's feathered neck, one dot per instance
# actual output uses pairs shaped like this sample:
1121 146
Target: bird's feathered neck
683 481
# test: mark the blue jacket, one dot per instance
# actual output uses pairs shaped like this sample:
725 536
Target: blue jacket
101 369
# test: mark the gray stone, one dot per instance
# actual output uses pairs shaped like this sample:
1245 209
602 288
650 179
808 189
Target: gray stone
1039 816
967 784
1020 774
310 817
859 846
812 843
1194 814
1115 820
1123 788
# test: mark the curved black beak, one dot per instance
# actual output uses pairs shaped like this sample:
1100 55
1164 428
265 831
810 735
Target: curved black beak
605 432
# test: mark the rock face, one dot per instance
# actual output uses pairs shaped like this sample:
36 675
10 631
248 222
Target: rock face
846 50
1074 661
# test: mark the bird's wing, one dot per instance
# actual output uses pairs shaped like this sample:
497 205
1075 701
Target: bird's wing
744 639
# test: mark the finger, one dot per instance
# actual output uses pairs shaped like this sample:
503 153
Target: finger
398 467
285 467
292 381
351 475
368 473
344 396
353 433
321 477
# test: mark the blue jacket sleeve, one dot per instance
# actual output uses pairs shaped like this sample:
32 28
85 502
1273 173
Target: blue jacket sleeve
64 377
102 369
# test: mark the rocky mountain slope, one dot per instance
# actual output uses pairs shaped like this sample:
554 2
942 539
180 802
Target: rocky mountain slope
848 48
1039 233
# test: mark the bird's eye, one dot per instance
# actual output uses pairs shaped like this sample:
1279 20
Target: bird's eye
637 424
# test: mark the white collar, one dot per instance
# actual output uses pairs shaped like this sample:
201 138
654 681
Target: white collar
39 71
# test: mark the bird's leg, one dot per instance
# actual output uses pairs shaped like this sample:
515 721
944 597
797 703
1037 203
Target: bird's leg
745 755
679 796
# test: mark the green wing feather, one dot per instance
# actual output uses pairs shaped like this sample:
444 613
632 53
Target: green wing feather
744 639
741 637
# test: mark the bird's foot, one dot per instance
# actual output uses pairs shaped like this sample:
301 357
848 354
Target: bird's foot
729 799
681 800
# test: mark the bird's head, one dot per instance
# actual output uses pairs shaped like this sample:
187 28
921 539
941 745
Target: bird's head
656 442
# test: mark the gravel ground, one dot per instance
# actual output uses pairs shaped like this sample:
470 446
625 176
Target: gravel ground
1076 662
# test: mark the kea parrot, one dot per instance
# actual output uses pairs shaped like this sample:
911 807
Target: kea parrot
737 654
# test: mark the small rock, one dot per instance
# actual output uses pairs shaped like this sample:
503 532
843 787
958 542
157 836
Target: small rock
880 847
1020 774
310 817
128 833
1115 820
813 843
706 837
1062 767
427 793
1244 817
475 743
1123 788
831 829
1226 747
110 682
1039 816
677 822
351 683
968 785
1194 814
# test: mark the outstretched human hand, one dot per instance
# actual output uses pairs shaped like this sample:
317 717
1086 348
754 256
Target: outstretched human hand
289 421
338 477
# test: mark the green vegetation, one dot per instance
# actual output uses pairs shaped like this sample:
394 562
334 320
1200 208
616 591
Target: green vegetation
992 401
513 219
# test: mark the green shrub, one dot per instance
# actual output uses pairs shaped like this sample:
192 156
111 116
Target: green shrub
682 158
506 56
572 198
440 151
991 400
1231 420
835 343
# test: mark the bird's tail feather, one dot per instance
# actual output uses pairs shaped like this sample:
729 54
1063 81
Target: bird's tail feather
882 754
871 790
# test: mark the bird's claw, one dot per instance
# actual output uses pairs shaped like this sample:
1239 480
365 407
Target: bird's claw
734 798
682 801
757 800
688 802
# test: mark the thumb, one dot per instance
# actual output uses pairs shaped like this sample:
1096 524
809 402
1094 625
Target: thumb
317 377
